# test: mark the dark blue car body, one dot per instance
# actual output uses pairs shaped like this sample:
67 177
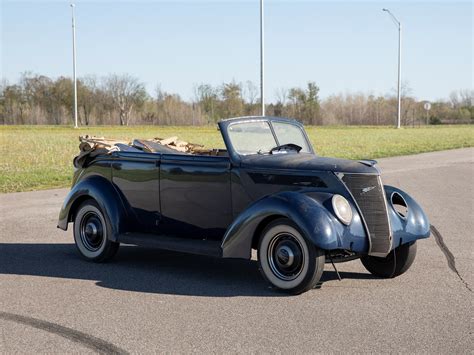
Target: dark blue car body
219 204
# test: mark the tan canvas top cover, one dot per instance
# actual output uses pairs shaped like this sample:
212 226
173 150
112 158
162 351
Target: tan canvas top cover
91 146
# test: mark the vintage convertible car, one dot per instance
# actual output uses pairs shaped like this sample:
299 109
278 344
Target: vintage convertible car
267 191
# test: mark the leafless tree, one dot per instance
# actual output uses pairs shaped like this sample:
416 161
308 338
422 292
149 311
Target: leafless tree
281 95
126 92
88 97
250 92
467 97
461 98
407 102
38 99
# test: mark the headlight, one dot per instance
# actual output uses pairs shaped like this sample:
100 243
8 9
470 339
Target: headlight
342 209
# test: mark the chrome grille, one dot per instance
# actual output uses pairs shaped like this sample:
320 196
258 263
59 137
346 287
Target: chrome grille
369 195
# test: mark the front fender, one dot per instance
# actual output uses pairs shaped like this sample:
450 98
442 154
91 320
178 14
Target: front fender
416 224
107 197
309 212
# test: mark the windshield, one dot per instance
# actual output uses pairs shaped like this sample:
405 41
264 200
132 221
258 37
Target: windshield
257 137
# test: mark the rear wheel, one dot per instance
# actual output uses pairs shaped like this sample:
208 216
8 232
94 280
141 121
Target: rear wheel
394 264
91 231
287 259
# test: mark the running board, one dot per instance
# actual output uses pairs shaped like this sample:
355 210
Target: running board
184 245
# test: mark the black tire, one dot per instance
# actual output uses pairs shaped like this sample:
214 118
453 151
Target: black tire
392 265
91 231
287 259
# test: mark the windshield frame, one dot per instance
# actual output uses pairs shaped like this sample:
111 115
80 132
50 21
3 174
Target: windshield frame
224 126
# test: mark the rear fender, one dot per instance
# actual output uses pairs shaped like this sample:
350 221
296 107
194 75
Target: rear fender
107 197
314 220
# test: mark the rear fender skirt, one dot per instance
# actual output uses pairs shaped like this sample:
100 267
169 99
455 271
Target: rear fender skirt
415 225
103 192
314 220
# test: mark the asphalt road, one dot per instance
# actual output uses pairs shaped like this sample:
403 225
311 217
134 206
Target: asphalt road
154 301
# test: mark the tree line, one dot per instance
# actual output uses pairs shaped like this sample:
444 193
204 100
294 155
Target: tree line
123 100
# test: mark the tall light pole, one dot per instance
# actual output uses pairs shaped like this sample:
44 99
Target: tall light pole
74 64
399 64
262 57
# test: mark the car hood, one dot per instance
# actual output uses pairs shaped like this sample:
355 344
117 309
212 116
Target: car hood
309 162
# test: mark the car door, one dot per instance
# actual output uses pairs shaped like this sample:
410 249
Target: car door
136 176
195 196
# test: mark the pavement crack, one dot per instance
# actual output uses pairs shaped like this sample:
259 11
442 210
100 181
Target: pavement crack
98 345
447 253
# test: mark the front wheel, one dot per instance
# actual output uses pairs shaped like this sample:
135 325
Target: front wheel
397 262
91 231
287 259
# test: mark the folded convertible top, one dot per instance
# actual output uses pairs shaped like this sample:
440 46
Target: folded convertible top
91 146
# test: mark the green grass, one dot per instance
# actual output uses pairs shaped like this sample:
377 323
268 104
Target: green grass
40 157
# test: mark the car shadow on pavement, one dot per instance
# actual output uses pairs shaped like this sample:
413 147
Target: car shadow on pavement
147 270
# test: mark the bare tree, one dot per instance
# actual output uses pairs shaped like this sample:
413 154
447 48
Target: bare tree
126 92
461 98
467 97
38 99
88 97
250 91
281 95
407 101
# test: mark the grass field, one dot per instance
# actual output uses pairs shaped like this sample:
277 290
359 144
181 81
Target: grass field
40 157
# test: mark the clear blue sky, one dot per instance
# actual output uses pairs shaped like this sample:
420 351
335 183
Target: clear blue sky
345 46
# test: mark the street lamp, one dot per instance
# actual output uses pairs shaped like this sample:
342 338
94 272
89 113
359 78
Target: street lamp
74 64
397 23
262 68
